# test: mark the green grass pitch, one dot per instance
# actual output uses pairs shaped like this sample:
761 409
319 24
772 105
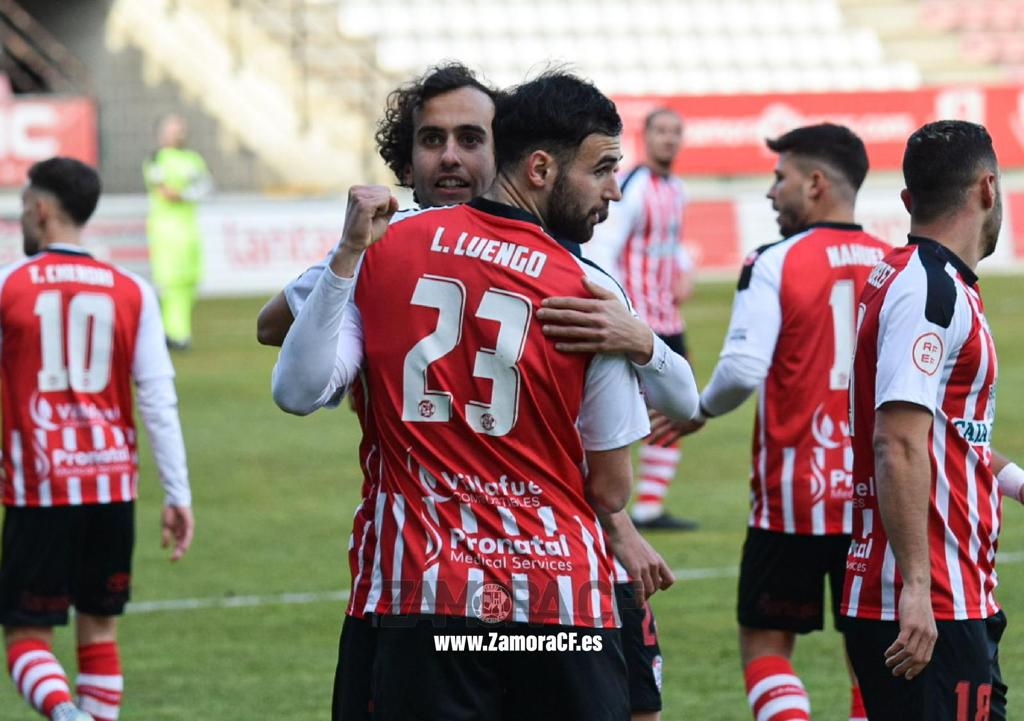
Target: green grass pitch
274 496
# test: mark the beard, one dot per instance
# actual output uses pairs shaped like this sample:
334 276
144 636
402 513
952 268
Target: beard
567 218
990 229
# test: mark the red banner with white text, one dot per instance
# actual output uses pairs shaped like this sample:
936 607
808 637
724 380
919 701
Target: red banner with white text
725 134
36 128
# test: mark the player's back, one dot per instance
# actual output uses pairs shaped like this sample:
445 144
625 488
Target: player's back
69 326
802 455
482 478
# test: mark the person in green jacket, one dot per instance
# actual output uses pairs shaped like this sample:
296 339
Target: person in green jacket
176 179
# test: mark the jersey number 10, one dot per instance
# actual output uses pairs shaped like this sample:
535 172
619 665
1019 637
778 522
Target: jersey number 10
88 345
422 404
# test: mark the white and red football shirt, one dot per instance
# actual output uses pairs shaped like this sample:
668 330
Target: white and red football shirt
923 339
641 245
794 312
480 508
74 331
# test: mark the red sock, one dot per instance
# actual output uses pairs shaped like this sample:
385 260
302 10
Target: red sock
99 684
857 710
774 691
38 675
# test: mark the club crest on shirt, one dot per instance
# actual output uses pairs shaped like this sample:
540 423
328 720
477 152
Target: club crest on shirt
491 603
426 409
927 353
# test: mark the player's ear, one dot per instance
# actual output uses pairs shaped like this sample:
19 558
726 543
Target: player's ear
905 197
818 183
989 189
541 168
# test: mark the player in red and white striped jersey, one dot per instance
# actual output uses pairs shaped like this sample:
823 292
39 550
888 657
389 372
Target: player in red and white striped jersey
641 245
922 562
74 333
501 513
791 337
437 131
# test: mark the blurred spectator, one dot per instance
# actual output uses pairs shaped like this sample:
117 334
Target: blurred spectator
176 179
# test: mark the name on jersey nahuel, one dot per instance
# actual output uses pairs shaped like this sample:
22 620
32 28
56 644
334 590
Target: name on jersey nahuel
513 256
881 273
71 273
840 256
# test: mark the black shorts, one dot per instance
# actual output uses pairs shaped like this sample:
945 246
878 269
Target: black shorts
641 649
55 557
414 681
782 580
962 681
676 342
353 697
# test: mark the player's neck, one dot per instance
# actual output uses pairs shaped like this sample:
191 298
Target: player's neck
506 191
61 236
662 169
834 213
960 234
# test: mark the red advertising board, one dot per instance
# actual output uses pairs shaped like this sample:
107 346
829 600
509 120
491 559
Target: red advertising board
33 129
725 133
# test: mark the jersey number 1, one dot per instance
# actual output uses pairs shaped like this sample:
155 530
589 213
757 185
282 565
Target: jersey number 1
512 311
841 301
87 347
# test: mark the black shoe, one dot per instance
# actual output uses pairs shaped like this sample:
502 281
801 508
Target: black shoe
666 522
179 344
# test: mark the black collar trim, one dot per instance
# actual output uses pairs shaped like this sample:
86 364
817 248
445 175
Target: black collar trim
837 226
969 276
66 250
503 211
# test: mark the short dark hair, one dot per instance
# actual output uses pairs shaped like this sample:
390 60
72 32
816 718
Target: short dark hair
554 112
659 111
836 145
396 130
75 185
941 162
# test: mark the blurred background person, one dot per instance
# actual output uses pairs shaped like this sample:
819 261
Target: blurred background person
176 178
641 246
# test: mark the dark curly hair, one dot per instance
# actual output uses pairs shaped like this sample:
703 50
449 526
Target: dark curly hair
75 185
396 129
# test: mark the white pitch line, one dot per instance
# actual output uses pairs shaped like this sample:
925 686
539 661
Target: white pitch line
285 599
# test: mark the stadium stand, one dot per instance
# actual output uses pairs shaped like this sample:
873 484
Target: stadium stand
671 46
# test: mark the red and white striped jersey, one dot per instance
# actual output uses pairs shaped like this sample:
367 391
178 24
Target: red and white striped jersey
923 339
73 332
480 506
794 313
641 245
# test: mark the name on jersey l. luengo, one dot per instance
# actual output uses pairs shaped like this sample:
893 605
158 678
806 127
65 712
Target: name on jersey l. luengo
513 256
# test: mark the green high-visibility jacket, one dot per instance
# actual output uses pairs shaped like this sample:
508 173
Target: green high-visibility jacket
175 248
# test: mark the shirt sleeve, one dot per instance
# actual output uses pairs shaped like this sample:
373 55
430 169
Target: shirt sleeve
753 332
157 400
668 382
298 290
323 351
913 349
613 413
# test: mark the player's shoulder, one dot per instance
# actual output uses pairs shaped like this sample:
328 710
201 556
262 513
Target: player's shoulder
766 258
602 277
412 214
924 276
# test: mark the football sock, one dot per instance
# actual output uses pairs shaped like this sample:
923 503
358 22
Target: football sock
857 710
774 691
38 675
657 469
99 684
